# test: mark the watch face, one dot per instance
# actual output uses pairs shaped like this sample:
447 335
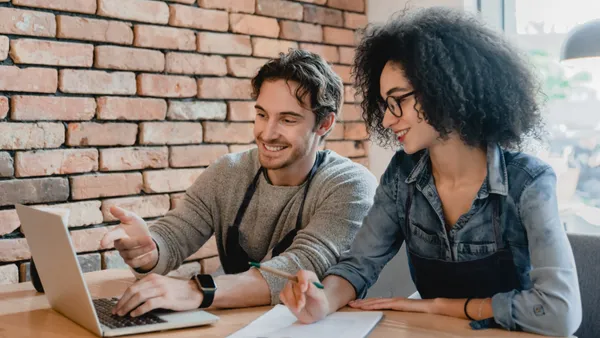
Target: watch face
206 281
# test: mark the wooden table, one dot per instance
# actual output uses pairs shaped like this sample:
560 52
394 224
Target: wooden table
26 313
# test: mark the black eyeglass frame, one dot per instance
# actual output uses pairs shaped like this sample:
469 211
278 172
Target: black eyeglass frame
397 100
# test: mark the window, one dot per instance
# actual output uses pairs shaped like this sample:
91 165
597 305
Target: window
572 98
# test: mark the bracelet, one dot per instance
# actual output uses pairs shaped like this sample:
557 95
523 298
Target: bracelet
467 314
480 306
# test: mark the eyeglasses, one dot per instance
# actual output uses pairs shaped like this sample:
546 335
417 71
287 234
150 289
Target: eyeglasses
393 104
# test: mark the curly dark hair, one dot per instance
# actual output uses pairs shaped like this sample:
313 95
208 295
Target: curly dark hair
468 79
314 76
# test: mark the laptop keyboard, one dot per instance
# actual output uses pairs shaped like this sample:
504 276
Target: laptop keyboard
104 308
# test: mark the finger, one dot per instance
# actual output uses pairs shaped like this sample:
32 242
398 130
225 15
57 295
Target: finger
370 301
286 296
305 278
115 234
138 299
123 215
299 296
131 242
131 290
383 304
137 251
149 305
140 260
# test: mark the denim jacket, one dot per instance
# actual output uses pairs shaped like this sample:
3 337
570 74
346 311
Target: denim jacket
549 302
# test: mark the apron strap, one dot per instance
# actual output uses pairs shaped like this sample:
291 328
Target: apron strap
247 198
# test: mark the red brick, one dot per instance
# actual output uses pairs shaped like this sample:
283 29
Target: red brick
101 134
33 80
338 36
70 27
25 22
243 6
224 88
208 19
55 162
344 72
216 43
237 148
316 2
337 133
197 110
12 250
105 185
35 108
135 10
351 112
224 132
4 47
176 199
329 53
355 131
197 64
254 25
124 58
166 85
279 9
347 55
143 206
243 66
196 156
88 239
77 6
9 274
118 159
349 5
241 111
271 48
170 132
3 106
6 165
96 82
187 2
159 181
323 15
38 190
125 108
164 37
81 213
355 21
293 30
31 135
9 221
350 95
347 148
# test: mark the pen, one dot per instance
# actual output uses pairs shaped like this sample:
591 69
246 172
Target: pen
282 274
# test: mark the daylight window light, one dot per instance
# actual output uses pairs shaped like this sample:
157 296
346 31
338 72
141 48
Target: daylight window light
583 43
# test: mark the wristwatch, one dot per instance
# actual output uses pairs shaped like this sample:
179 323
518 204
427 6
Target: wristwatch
207 285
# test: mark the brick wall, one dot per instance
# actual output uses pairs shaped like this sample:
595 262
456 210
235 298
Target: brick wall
124 102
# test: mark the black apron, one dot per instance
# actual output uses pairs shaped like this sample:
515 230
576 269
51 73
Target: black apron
235 260
480 278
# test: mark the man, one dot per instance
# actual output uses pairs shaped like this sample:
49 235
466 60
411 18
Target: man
285 204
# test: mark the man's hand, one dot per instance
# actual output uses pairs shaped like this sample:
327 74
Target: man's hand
156 291
308 303
132 239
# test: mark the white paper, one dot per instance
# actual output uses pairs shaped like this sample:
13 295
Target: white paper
281 323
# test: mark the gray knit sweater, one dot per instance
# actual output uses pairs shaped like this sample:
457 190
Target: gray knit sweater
338 199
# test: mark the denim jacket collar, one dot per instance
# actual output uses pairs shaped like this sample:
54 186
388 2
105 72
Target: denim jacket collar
497 180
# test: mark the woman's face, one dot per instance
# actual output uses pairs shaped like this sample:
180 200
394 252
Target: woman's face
411 129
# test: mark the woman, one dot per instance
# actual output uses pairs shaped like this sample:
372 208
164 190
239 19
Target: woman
481 223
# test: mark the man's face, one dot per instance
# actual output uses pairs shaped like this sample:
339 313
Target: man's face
284 129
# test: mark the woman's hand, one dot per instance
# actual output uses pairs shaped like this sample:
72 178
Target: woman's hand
308 303
396 304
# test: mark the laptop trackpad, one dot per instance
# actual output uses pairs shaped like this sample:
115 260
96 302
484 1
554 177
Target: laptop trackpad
199 316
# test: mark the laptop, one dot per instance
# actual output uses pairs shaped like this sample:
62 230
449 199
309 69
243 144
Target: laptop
50 244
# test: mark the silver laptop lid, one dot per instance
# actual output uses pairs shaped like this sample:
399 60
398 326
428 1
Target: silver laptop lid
56 261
